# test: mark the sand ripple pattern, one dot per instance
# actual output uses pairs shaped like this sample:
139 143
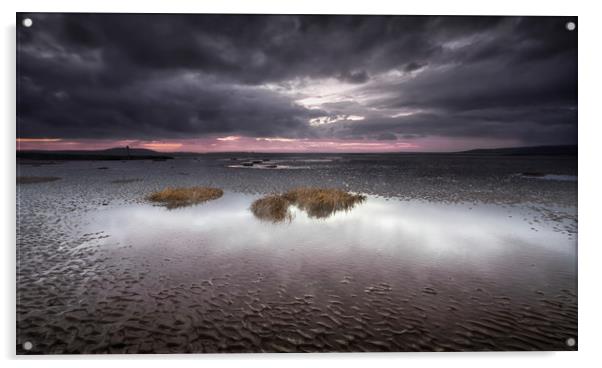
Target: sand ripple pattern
85 292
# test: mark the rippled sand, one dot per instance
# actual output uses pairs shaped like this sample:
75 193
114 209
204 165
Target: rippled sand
102 271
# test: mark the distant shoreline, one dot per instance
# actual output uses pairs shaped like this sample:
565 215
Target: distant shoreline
146 154
61 156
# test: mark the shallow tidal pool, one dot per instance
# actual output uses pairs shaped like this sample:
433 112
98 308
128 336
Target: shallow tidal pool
388 275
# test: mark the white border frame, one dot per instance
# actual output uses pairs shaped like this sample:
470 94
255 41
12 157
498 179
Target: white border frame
590 251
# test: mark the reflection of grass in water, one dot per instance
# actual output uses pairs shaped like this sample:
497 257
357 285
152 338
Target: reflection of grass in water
35 179
317 202
181 197
125 181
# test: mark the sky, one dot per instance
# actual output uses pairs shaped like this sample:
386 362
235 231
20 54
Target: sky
270 83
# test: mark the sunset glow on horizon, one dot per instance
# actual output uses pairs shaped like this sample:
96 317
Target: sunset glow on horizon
268 144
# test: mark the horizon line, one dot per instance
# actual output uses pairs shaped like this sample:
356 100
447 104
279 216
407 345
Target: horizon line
293 152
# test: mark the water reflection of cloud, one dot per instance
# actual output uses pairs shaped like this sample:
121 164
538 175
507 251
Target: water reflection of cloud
402 229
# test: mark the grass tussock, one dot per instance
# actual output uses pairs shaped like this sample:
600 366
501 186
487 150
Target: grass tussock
181 197
317 202
321 203
272 208
36 179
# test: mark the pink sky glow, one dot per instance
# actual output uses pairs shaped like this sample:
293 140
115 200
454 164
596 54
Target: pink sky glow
270 144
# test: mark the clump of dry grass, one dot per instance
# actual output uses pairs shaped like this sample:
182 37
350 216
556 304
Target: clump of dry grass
272 208
321 203
317 202
181 197
35 179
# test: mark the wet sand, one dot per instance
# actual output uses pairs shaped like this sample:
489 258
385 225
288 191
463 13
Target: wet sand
440 258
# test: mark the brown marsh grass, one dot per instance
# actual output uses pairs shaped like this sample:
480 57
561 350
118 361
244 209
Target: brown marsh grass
317 202
36 179
272 208
321 203
181 197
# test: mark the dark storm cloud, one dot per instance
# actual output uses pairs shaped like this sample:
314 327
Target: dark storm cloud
551 127
174 76
410 67
169 106
354 77
386 137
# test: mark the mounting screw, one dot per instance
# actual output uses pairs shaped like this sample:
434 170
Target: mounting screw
571 26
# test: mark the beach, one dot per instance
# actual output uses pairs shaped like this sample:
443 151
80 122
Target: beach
446 253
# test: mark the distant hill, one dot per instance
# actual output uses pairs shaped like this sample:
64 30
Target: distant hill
568 150
117 153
